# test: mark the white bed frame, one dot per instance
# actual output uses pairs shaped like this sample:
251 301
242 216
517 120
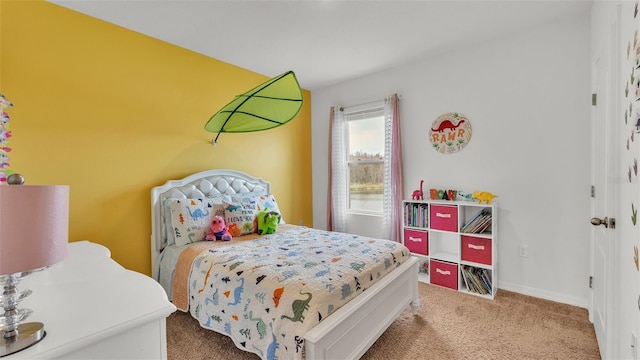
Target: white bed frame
345 334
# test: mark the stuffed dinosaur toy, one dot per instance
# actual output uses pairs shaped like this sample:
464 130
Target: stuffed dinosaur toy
218 230
267 221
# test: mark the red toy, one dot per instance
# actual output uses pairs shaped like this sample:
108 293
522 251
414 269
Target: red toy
418 194
218 230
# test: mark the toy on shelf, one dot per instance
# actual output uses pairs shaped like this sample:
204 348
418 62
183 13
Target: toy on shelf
436 194
483 196
218 230
425 267
418 194
451 195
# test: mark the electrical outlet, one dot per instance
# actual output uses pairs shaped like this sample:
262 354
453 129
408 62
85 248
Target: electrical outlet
634 346
524 250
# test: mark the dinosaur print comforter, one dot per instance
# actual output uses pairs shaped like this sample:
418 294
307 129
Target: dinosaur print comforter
267 293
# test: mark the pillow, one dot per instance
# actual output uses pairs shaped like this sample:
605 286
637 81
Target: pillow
191 218
168 228
262 201
240 216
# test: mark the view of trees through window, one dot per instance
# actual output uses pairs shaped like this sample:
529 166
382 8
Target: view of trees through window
366 163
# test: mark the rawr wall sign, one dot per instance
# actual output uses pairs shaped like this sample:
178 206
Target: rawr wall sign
450 133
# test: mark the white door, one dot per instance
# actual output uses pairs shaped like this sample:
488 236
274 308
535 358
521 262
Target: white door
603 204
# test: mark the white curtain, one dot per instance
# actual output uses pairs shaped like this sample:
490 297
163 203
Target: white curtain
393 189
337 199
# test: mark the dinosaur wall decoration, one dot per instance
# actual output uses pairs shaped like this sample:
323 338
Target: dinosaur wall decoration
450 133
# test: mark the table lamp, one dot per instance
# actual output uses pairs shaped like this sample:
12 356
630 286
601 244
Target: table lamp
34 232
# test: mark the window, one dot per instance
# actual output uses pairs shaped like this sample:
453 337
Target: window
365 140
357 155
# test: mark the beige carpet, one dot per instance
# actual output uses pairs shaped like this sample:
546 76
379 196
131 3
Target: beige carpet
449 325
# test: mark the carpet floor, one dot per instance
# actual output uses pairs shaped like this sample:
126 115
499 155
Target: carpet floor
448 325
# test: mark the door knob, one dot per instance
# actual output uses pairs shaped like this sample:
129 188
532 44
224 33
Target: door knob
606 222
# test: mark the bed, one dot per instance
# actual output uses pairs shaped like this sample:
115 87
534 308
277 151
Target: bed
257 289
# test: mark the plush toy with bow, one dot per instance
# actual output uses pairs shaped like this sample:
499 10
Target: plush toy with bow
267 221
218 230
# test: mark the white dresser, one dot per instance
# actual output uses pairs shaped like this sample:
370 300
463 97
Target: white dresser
93 308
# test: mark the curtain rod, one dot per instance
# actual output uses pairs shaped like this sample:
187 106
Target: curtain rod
367 104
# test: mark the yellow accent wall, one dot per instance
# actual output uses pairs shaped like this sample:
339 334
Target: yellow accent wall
113 113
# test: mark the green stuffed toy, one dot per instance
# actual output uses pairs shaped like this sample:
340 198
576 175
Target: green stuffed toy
267 221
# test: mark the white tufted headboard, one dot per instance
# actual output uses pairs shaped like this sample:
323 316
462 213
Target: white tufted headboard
197 186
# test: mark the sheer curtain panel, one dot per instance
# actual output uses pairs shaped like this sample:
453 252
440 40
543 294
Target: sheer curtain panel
337 199
393 188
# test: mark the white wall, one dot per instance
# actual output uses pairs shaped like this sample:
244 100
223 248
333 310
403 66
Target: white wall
527 96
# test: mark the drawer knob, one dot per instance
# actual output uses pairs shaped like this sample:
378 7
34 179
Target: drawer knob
443 215
414 239
443 272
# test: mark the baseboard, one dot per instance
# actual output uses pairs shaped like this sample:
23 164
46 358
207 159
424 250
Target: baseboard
544 294
535 292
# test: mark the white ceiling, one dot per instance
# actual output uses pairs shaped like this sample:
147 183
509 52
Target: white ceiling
324 42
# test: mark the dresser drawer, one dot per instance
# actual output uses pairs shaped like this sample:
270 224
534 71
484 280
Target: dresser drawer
476 250
444 274
416 241
444 217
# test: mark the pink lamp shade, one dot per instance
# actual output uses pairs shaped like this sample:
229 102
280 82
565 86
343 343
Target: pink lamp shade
34 226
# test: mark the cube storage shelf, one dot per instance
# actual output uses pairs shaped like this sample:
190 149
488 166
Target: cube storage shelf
456 243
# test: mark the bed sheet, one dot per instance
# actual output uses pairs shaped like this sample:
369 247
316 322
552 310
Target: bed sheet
171 254
167 264
267 293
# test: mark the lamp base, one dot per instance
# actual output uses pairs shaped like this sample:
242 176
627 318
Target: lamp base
28 334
